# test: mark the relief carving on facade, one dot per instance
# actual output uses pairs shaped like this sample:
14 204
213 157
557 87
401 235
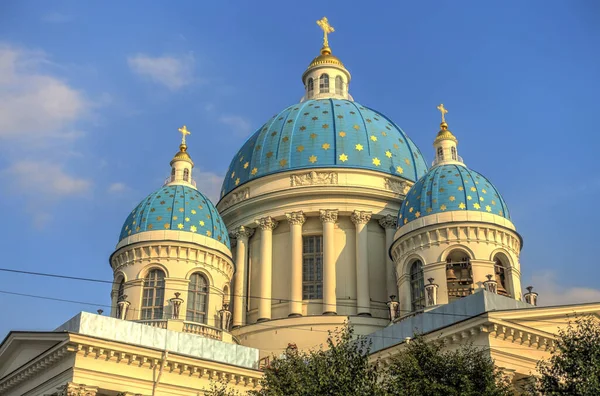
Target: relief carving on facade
242 232
360 217
313 177
397 186
296 217
267 223
72 389
389 221
328 215
235 197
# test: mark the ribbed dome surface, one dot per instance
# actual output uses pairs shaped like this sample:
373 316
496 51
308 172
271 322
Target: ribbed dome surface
178 208
451 187
325 133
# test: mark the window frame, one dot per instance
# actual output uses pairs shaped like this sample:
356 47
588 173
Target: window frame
312 265
324 83
197 301
417 286
153 292
339 85
310 87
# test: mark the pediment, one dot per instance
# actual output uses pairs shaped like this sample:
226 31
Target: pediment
21 347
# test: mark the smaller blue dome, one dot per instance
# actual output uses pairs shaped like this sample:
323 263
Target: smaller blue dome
178 208
451 187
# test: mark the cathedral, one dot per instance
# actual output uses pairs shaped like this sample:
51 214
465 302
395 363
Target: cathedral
328 214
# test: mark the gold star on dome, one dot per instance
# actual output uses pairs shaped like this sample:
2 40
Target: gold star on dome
300 148
167 226
484 191
150 226
442 189
342 134
488 208
246 165
358 147
410 210
406 161
325 126
451 198
187 219
325 146
254 171
469 197
461 205
460 188
269 154
450 182
356 127
476 205
396 146
237 181
442 207
429 210
302 128
493 202
208 233
417 214
405 221
201 222
388 154
193 228
232 174
473 189
376 161
343 157
193 211
282 162
481 199
501 213
180 226
158 218
313 135
399 169
383 133
312 159
374 138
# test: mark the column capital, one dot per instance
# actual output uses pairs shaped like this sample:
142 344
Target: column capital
360 217
296 217
241 232
389 221
267 223
328 215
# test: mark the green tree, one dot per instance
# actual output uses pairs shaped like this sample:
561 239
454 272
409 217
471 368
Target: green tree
574 367
342 369
424 368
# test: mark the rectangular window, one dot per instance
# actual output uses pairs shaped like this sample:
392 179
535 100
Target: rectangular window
312 267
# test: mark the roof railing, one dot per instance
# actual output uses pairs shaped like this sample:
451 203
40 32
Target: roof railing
174 178
438 160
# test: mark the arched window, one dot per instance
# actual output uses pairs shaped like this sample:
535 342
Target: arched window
197 298
454 156
459 276
440 153
226 296
311 87
153 295
121 289
172 171
186 175
500 277
417 286
324 83
339 85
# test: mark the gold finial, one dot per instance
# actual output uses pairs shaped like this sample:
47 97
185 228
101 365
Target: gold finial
443 110
184 132
327 28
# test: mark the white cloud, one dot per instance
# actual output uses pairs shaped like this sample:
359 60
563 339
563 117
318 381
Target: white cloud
240 125
117 188
32 178
209 184
552 292
174 73
35 106
55 17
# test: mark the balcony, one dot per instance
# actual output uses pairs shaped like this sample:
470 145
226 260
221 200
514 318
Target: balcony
185 327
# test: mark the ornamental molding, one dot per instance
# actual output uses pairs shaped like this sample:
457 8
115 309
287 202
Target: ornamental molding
328 215
163 253
296 218
397 186
455 234
71 389
312 178
389 221
360 217
267 223
33 368
234 198
242 232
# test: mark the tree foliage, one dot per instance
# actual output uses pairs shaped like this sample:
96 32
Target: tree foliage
424 368
342 369
574 367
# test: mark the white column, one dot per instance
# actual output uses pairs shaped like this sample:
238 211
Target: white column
267 225
329 218
389 223
241 234
363 297
296 219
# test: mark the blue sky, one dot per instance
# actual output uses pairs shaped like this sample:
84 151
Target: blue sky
92 94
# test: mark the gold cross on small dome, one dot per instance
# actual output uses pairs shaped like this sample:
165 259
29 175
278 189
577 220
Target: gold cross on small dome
184 132
327 28
442 110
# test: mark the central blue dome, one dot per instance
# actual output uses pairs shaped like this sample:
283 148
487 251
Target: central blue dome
325 133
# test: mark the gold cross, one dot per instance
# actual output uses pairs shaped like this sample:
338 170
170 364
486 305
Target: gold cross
327 28
442 110
183 130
